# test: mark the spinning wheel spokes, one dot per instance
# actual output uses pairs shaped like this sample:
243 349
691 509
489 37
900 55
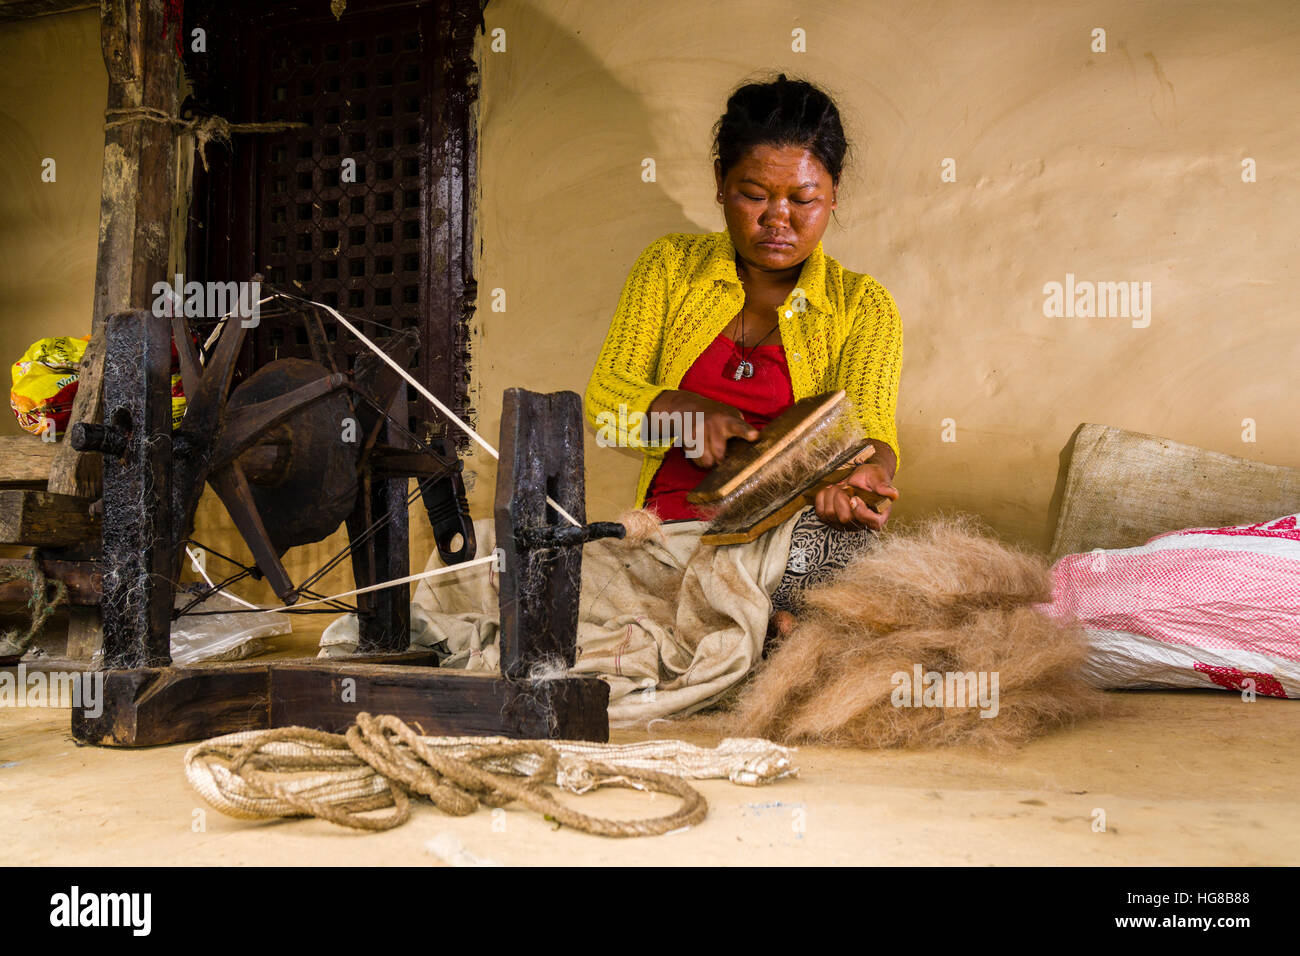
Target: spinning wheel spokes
146 701
293 451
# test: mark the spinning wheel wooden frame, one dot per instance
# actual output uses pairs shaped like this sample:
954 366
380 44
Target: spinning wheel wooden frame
152 482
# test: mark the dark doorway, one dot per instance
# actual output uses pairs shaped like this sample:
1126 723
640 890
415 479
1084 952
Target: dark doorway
387 93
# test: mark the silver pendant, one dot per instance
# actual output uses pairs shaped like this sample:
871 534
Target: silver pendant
744 370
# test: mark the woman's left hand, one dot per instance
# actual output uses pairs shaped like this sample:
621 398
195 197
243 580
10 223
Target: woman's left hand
839 509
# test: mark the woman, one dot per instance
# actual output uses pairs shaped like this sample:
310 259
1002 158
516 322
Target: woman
733 327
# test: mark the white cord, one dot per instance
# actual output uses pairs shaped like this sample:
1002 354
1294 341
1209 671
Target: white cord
372 587
200 566
442 408
410 577
431 397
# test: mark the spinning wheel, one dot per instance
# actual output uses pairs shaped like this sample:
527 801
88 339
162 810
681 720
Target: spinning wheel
293 451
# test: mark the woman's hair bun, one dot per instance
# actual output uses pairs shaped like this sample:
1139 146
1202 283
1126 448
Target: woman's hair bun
783 112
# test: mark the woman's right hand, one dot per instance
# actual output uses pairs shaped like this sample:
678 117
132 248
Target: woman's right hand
713 425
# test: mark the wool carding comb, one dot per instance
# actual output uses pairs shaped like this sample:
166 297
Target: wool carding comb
814 443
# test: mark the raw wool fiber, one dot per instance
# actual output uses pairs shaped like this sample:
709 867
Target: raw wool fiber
932 575
945 596
642 525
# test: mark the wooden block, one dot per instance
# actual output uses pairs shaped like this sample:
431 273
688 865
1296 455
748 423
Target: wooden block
46 519
408 658
788 510
25 460
85 633
72 472
785 513
745 460
440 702
541 456
148 706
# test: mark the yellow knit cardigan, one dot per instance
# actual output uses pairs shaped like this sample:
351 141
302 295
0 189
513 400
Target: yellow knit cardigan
840 329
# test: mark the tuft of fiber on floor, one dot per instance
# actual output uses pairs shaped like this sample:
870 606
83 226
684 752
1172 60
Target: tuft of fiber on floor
944 597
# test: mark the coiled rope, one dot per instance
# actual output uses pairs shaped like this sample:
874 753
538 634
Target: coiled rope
41 605
380 761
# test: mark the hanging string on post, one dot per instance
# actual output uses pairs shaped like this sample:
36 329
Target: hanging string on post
41 605
204 129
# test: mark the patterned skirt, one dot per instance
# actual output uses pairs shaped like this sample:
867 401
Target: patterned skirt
817 551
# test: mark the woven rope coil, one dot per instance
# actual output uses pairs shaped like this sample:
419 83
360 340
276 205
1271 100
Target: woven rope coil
45 598
380 761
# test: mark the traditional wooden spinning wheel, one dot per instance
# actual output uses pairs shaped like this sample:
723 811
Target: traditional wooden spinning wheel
294 450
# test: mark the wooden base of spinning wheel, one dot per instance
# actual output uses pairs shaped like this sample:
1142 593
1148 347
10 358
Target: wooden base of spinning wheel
145 707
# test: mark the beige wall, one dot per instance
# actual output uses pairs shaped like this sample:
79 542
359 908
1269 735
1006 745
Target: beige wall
53 88
1115 166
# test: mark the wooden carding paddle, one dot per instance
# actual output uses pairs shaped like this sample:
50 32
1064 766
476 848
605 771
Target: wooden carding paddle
814 443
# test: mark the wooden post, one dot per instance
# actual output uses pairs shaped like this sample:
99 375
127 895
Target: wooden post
136 199
136 445
541 448
541 573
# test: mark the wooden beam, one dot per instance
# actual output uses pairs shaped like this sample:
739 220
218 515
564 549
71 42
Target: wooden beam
383 617
25 460
11 10
136 200
441 703
139 561
146 707
44 519
541 455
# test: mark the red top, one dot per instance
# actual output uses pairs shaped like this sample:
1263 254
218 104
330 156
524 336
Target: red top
759 399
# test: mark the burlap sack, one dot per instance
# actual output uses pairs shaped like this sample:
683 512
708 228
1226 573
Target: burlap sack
1122 488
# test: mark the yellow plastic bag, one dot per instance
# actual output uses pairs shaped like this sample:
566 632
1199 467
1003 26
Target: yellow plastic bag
178 399
45 383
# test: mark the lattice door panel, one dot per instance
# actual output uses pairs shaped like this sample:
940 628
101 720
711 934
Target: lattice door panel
365 208
342 198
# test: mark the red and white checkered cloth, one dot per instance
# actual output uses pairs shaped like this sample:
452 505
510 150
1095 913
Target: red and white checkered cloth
1193 608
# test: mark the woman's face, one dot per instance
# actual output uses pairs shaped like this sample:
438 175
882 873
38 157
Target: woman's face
777 201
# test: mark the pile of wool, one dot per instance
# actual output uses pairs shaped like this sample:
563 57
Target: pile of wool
942 597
